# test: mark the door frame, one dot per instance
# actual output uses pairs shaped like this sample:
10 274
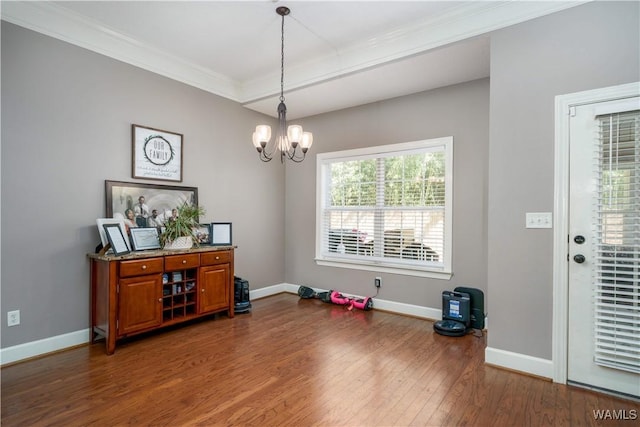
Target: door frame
563 106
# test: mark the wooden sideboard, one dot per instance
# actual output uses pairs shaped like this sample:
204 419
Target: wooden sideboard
143 291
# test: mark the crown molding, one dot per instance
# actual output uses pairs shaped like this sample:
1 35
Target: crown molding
468 20
61 23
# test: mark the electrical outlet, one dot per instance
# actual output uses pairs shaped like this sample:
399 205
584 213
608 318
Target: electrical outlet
13 318
377 282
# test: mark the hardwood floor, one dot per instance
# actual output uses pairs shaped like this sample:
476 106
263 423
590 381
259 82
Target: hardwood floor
292 362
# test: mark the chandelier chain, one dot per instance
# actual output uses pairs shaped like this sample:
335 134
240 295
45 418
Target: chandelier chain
282 61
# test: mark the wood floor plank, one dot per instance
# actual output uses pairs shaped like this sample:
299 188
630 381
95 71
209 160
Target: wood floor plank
458 397
289 362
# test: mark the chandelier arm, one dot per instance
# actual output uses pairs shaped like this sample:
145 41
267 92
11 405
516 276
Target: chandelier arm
292 156
266 155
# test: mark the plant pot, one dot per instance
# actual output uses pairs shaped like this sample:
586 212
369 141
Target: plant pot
179 243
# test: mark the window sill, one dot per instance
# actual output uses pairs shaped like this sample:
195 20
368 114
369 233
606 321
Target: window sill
405 270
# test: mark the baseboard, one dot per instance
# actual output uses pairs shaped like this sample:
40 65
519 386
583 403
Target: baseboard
47 345
380 304
273 290
408 309
519 362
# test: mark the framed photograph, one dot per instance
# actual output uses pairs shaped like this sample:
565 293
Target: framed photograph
203 234
221 233
116 239
145 238
157 154
146 205
101 222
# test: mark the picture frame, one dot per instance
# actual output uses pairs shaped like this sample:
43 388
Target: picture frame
101 222
144 238
116 239
156 154
203 234
221 234
124 196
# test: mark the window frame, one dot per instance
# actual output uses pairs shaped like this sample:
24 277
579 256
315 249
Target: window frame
324 159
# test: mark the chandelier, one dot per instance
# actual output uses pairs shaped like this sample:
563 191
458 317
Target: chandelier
287 140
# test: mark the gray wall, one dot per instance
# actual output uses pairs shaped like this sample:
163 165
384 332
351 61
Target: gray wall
586 47
461 111
66 127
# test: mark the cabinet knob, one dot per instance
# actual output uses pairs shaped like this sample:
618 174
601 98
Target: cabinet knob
217 257
184 261
159 299
144 267
202 290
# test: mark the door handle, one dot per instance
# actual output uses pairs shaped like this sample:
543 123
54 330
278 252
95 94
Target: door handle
579 258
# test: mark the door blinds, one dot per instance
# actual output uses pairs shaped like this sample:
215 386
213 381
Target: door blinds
617 242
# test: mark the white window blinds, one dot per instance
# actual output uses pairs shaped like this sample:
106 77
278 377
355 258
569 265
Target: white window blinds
386 208
617 248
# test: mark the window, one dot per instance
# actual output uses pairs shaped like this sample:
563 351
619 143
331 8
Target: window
387 208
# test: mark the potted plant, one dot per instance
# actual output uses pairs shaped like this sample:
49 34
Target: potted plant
179 229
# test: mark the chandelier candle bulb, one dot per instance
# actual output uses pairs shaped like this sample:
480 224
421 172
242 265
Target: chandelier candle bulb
307 140
295 134
256 141
263 133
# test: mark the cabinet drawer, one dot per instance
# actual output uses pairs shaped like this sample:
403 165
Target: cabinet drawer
217 257
141 267
178 262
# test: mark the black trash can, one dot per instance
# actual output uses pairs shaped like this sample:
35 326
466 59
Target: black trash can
242 304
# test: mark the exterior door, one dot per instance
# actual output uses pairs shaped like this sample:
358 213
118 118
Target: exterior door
604 246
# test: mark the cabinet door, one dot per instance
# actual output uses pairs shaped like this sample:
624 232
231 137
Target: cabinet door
140 303
214 288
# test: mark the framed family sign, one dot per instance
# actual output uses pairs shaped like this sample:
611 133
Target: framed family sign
157 154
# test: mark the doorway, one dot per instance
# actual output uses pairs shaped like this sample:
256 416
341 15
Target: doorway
597 241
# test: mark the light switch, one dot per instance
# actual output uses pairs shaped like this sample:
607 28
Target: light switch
539 220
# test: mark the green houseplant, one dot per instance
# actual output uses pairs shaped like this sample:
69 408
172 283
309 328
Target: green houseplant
179 230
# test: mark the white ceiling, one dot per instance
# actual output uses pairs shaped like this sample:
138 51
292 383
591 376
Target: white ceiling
338 54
